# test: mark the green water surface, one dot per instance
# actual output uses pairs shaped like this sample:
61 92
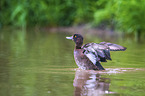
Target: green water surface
37 63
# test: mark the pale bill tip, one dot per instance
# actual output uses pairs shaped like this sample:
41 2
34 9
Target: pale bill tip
69 37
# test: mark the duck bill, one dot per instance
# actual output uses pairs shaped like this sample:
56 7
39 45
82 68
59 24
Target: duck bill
70 37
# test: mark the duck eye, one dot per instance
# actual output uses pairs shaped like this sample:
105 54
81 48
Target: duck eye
75 36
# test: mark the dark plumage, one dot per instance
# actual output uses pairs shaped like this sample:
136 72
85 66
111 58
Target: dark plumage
89 56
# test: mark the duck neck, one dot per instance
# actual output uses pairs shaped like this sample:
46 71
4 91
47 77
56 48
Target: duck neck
78 43
78 47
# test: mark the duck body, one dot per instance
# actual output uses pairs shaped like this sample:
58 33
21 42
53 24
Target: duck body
82 60
89 56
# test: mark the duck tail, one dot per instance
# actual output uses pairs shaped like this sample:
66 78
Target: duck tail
100 67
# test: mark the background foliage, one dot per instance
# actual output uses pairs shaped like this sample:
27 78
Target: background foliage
125 15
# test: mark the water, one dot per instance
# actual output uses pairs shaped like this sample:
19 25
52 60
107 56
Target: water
37 63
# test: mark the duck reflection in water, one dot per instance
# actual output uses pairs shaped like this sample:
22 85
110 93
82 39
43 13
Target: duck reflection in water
90 84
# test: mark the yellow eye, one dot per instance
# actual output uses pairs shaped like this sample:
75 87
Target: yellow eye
75 36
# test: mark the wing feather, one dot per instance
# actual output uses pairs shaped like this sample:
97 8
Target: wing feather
92 55
96 52
113 47
100 51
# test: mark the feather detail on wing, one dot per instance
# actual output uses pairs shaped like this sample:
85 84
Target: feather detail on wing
96 52
92 57
113 47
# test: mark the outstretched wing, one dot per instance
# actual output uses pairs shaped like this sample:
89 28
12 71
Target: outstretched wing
100 52
96 52
113 47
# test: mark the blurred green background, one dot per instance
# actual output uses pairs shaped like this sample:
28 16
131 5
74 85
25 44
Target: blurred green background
126 16
40 62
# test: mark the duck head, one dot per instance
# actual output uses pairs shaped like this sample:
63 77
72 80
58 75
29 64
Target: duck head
78 39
